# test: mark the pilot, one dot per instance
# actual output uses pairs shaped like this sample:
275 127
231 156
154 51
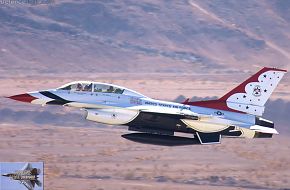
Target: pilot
110 89
118 91
79 87
88 87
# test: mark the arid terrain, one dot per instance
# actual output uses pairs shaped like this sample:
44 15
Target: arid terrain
80 154
169 50
98 158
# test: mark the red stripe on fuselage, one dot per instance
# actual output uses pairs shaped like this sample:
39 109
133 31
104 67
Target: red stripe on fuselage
213 104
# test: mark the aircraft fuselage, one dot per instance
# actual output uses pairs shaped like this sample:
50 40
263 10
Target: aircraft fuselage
236 114
175 116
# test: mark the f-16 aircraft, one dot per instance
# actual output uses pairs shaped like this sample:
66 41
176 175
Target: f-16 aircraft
27 176
236 114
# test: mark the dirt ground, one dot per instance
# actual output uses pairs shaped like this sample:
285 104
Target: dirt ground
97 157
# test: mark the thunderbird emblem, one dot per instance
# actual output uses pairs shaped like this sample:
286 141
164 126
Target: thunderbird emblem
257 91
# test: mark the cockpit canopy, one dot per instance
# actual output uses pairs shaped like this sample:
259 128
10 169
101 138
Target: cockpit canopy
86 86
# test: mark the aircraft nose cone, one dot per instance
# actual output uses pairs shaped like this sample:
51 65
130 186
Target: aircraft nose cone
5 175
23 98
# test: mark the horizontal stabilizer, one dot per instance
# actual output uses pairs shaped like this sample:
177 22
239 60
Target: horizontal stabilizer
39 184
262 129
209 138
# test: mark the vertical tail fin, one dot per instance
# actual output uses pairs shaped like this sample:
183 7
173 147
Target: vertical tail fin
251 95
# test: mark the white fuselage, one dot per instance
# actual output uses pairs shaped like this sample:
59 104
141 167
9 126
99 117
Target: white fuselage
98 100
236 114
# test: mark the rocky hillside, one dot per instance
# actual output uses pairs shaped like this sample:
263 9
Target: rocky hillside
145 36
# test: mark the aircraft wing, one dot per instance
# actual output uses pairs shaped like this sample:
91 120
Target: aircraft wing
27 166
28 184
177 111
152 117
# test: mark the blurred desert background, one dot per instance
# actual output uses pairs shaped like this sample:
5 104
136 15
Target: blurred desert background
170 50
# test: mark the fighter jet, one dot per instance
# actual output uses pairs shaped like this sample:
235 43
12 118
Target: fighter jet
236 114
27 176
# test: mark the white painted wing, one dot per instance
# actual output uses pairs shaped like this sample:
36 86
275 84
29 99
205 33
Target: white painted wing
177 111
154 109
